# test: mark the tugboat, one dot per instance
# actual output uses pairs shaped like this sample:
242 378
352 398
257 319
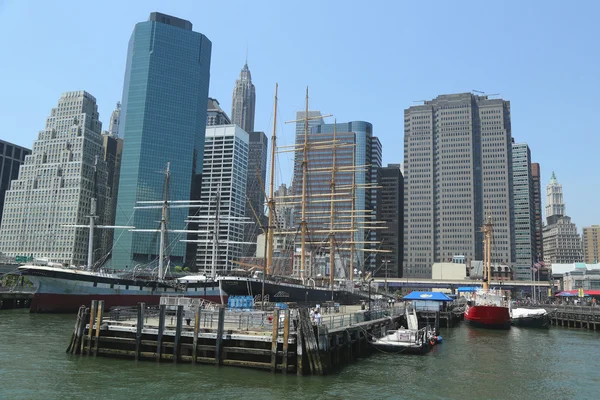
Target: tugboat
488 308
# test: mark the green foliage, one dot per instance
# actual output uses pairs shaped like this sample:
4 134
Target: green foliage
186 269
178 269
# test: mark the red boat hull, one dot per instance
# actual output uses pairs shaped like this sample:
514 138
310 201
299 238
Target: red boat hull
488 317
63 303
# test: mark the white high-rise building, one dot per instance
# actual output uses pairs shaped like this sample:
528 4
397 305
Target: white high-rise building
56 184
224 178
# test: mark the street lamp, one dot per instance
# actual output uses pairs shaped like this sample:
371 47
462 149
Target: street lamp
386 261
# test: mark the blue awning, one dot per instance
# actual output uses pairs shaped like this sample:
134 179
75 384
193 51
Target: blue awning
467 289
432 296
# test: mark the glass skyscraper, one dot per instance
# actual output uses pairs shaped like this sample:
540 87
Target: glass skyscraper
163 119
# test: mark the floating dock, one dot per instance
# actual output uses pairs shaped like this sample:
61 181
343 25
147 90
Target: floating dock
281 340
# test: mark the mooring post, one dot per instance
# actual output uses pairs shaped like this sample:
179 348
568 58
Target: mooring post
177 340
220 330
91 328
161 328
286 335
138 330
195 340
81 338
98 323
74 335
274 340
299 345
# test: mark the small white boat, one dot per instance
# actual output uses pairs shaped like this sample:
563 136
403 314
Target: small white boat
410 341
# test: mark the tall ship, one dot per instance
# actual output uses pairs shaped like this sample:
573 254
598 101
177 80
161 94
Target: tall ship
305 284
65 289
488 308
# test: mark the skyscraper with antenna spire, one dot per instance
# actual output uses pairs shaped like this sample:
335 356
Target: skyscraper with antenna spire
244 100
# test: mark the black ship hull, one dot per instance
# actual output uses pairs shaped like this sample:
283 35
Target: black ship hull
536 321
284 292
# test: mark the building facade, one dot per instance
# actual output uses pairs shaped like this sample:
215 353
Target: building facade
390 209
215 114
11 158
223 194
524 206
591 244
55 187
255 189
562 243
112 155
458 168
163 120
537 198
243 101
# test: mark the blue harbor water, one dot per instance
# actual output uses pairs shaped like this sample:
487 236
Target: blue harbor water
471 364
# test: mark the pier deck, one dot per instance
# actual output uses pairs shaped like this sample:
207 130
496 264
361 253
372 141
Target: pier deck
277 340
15 298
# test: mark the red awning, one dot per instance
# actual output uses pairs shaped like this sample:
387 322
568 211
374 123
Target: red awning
587 292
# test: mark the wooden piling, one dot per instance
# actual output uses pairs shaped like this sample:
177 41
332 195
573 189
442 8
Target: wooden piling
99 316
80 337
274 336
138 332
161 329
195 339
286 336
299 347
91 328
71 347
220 329
177 340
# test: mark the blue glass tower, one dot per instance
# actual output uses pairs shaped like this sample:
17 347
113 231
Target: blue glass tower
163 119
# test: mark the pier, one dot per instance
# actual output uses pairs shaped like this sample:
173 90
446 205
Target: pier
278 340
585 317
14 298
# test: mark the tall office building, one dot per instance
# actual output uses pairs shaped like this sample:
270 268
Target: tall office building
225 173
524 203
457 168
11 158
591 244
555 204
357 144
215 114
255 189
243 101
163 120
115 121
56 184
284 208
537 196
562 243
113 151
391 211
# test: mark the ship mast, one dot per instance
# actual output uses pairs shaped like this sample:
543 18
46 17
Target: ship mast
271 202
163 224
352 211
303 201
93 203
487 252
332 214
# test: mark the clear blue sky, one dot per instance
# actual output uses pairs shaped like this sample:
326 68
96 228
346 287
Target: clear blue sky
362 61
